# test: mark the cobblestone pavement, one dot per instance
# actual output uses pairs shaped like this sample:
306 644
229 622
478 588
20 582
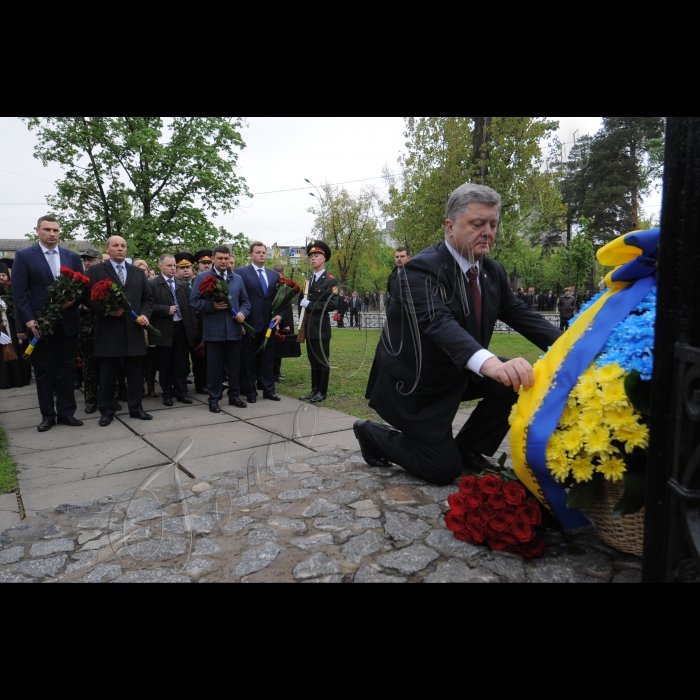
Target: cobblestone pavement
325 517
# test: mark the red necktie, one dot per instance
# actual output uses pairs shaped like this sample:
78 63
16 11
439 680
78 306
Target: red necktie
473 276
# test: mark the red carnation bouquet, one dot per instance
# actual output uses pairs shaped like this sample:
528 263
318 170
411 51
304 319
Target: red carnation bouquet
216 290
112 298
286 291
495 510
65 289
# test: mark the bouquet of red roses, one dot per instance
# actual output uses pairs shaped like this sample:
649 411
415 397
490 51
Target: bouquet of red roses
496 511
112 298
286 291
216 290
65 289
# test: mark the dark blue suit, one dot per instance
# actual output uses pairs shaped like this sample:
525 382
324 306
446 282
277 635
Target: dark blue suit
261 365
54 359
222 334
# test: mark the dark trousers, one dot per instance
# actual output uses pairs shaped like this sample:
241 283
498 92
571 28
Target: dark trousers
442 463
91 368
220 355
110 368
54 361
199 369
564 324
257 367
354 318
319 352
174 365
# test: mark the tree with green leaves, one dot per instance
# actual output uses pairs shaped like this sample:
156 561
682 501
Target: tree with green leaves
502 152
607 176
154 181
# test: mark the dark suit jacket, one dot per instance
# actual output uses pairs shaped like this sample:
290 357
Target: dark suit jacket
31 279
120 337
260 303
417 386
323 300
221 326
163 321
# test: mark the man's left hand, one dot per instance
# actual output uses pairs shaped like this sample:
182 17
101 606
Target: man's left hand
67 304
277 320
516 373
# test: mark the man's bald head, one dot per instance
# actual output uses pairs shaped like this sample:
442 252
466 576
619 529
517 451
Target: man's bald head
116 249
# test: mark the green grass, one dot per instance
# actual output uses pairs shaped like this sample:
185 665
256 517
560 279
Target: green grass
8 473
352 355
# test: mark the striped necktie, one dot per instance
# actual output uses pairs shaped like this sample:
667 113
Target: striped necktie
120 272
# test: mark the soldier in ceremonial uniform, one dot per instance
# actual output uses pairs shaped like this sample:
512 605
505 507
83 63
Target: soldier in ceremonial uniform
204 259
91 367
185 272
322 300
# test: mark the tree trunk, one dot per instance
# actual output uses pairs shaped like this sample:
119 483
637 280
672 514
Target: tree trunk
635 195
482 139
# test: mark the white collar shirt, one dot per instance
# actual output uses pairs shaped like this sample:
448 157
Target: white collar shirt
53 258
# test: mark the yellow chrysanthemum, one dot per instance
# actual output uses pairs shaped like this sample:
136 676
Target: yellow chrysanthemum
613 469
621 418
572 403
633 437
609 373
587 388
560 469
599 442
595 404
573 440
615 395
589 422
570 417
583 469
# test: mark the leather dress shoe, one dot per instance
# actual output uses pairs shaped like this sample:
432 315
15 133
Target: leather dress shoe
272 397
476 463
141 415
90 409
106 421
368 452
186 400
319 398
168 403
214 408
69 422
47 425
310 396
237 403
281 378
252 399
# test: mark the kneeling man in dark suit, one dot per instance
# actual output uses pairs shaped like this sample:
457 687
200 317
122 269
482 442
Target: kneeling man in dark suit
433 352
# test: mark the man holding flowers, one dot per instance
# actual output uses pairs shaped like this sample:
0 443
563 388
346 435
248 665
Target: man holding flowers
34 272
118 336
218 294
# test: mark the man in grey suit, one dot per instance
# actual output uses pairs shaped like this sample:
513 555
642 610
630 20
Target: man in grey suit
54 358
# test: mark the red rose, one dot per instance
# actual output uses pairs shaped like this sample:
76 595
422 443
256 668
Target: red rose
464 536
468 485
8 284
509 538
474 516
499 523
486 512
498 545
475 499
454 522
208 285
510 514
478 532
515 494
67 272
534 549
85 281
523 531
497 501
517 551
458 503
101 291
490 484
530 512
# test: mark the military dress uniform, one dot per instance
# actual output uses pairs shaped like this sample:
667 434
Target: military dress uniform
323 299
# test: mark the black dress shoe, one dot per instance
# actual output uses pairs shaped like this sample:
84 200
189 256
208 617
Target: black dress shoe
47 425
214 408
69 422
476 463
368 452
105 421
90 409
252 399
141 415
272 397
319 398
237 403
187 401
281 378
310 396
168 403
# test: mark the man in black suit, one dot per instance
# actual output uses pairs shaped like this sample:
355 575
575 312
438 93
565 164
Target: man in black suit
355 309
261 286
118 337
54 358
177 322
433 352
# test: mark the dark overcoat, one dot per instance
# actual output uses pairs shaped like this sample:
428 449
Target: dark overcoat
419 376
120 337
31 279
163 321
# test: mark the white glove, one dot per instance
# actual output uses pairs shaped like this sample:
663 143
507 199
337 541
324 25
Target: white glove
5 339
3 305
305 303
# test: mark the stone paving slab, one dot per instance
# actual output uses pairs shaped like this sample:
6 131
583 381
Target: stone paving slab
60 436
344 440
263 408
316 421
180 420
22 402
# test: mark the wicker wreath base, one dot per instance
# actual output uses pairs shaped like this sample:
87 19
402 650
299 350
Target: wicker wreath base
624 534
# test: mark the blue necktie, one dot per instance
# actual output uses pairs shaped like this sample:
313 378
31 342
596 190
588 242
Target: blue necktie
178 314
263 280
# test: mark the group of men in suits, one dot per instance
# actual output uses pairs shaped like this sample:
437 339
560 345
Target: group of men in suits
171 303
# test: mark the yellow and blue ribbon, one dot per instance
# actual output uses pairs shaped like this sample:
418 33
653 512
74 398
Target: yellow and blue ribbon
539 411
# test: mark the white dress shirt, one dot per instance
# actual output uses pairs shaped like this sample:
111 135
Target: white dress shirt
123 266
53 258
478 360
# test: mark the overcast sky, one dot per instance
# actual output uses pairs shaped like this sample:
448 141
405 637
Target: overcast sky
282 152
